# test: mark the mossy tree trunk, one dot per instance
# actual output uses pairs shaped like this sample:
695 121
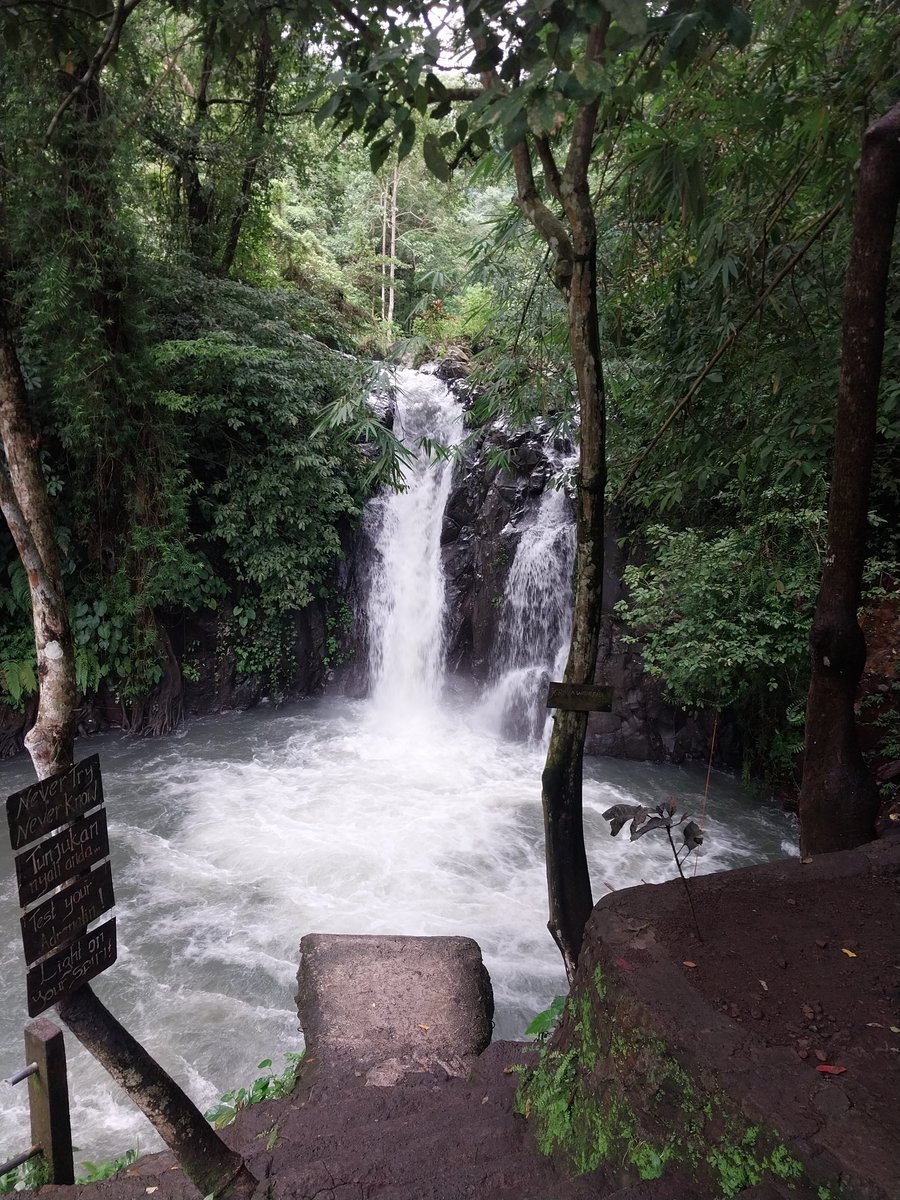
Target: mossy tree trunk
838 796
572 240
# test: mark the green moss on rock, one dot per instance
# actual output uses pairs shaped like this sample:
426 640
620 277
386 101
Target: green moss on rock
582 1102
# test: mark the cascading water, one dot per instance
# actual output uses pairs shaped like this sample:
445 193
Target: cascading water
406 599
535 621
402 813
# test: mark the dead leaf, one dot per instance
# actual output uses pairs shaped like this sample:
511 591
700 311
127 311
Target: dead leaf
895 1029
849 953
806 860
527 1108
764 985
150 1191
873 1025
424 1028
828 1070
820 1055
688 963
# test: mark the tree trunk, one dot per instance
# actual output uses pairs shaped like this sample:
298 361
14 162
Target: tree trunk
838 796
568 877
26 506
162 711
264 79
392 267
574 246
384 249
205 1159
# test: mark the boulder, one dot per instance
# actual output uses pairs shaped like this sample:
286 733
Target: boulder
375 1007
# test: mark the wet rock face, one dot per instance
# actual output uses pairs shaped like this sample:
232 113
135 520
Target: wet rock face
482 527
642 725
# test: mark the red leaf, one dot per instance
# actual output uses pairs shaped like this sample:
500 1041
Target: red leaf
826 1070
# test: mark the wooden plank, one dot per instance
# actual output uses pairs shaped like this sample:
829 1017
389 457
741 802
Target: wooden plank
54 801
580 697
48 1097
61 856
70 967
67 913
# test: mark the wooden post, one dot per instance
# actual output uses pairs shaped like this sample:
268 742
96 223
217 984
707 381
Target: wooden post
48 1097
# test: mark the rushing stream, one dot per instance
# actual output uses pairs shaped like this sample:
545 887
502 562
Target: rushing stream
403 813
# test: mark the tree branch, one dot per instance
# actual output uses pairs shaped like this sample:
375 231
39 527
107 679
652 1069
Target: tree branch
106 49
548 165
585 122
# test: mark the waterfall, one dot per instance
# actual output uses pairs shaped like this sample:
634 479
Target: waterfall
389 815
405 607
535 621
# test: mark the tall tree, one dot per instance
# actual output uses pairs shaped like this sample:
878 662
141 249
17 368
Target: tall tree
838 796
549 81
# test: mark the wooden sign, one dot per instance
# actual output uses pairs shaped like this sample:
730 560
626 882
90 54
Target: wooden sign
71 967
53 802
57 859
58 832
67 913
580 697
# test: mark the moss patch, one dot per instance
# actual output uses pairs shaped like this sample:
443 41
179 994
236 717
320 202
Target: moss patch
582 1102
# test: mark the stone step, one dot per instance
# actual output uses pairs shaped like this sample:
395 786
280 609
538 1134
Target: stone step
375 1006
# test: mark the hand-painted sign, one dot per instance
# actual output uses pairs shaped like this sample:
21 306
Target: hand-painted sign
54 801
67 912
58 858
580 697
58 830
67 969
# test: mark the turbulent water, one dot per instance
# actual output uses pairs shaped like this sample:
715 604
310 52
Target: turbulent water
403 813
535 621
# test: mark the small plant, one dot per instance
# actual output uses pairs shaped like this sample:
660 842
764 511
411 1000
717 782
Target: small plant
91 1172
546 1021
27 1177
643 822
267 1087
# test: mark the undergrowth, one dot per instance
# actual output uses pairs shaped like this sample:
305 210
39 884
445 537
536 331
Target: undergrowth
271 1086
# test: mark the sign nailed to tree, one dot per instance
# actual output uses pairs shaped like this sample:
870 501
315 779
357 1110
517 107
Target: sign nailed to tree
58 832
580 697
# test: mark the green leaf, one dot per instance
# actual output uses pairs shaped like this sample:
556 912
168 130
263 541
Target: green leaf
407 140
434 159
592 78
739 28
630 14
379 152
328 109
681 30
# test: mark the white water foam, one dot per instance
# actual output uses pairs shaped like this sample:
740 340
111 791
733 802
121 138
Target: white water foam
535 622
406 602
